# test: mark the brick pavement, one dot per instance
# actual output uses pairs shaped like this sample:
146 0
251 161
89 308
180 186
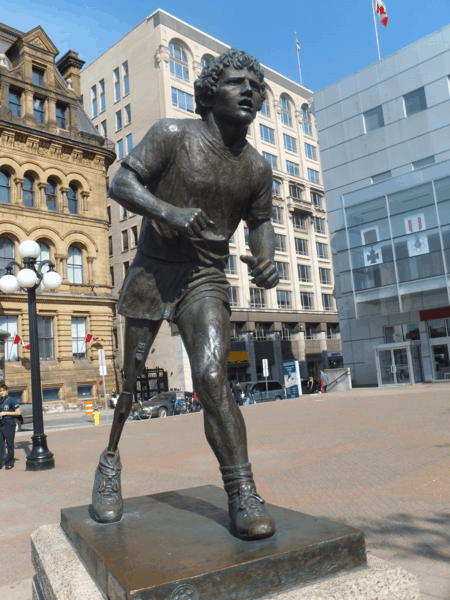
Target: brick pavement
378 459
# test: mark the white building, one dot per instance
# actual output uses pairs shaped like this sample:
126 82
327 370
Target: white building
148 75
385 145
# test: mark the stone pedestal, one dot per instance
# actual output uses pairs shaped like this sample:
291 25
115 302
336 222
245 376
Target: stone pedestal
178 546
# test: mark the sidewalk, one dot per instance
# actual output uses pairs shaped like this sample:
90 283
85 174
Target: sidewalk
378 459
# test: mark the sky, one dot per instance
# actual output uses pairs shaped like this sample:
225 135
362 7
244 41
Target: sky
336 38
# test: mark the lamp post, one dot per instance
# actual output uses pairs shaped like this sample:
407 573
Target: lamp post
33 281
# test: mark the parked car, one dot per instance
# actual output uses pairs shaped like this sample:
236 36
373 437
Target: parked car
259 393
26 416
158 406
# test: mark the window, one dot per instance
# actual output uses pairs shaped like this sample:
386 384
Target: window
275 188
325 276
307 299
5 186
283 270
94 101
79 337
306 121
75 265
126 266
126 78
232 239
39 109
111 275
286 117
267 134
110 245
277 215
280 242
301 247
50 394
123 213
61 116
116 339
125 240
246 235
37 76
119 149
373 119
116 76
104 130
423 162
206 60
118 120
327 302
304 273
316 199
257 298
284 299
182 100
27 191
134 236
96 128
84 391
381 177
410 331
45 336
333 331
319 225
231 268
265 109
290 143
292 168
101 85
233 295
322 250
44 254
415 102
6 253
15 103
298 220
9 324
129 140
310 151
271 159
51 197
72 199
127 110
313 175
295 192
178 62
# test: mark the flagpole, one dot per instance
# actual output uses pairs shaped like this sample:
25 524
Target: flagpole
297 45
376 30
12 348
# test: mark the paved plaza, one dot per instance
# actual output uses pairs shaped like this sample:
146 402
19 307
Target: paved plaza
377 459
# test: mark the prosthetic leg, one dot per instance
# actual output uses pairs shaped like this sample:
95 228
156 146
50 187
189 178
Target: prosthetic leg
107 503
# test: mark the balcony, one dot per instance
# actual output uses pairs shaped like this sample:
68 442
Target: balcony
300 205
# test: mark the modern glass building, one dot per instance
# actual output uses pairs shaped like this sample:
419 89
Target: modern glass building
384 134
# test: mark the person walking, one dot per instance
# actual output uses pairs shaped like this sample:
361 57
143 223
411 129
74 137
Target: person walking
9 410
323 381
237 393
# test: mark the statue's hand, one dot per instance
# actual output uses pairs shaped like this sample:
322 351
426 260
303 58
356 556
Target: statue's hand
263 271
189 221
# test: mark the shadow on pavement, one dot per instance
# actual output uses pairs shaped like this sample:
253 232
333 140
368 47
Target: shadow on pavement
25 446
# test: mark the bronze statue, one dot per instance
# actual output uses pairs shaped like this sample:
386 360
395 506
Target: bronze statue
193 180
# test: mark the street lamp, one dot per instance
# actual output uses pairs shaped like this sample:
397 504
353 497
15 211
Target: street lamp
31 279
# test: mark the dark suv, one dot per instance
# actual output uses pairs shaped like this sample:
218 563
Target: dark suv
257 390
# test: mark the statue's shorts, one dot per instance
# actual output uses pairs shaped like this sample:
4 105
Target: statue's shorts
158 290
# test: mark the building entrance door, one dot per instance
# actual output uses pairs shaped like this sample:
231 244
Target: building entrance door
394 364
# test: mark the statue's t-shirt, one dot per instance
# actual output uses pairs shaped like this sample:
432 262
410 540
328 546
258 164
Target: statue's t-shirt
181 163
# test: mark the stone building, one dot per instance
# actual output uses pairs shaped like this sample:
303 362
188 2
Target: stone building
53 168
148 75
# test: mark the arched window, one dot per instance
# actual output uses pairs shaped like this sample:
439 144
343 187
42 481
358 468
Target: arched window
28 191
6 253
51 195
72 198
306 116
75 265
206 59
286 116
44 255
5 186
178 61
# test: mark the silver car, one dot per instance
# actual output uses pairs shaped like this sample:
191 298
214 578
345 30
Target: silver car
26 416
259 392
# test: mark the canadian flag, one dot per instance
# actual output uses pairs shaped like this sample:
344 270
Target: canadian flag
25 345
90 338
382 14
17 339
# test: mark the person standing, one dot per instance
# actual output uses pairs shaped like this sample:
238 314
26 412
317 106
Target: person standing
9 410
324 381
237 393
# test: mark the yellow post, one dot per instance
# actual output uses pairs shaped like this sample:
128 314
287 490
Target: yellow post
96 414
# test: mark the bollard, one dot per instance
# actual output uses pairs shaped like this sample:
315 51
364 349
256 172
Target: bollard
96 414
88 407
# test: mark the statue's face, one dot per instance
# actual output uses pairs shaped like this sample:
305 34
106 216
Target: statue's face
238 97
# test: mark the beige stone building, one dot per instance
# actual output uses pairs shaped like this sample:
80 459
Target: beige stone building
53 169
148 75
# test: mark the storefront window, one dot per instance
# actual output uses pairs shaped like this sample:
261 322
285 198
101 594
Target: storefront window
437 328
441 362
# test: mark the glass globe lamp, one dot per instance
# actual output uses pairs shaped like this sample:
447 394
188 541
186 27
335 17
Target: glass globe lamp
27 278
9 283
40 288
29 249
52 280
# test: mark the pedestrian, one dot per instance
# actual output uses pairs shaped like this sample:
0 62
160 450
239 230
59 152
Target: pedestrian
237 393
311 384
114 398
9 411
323 381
